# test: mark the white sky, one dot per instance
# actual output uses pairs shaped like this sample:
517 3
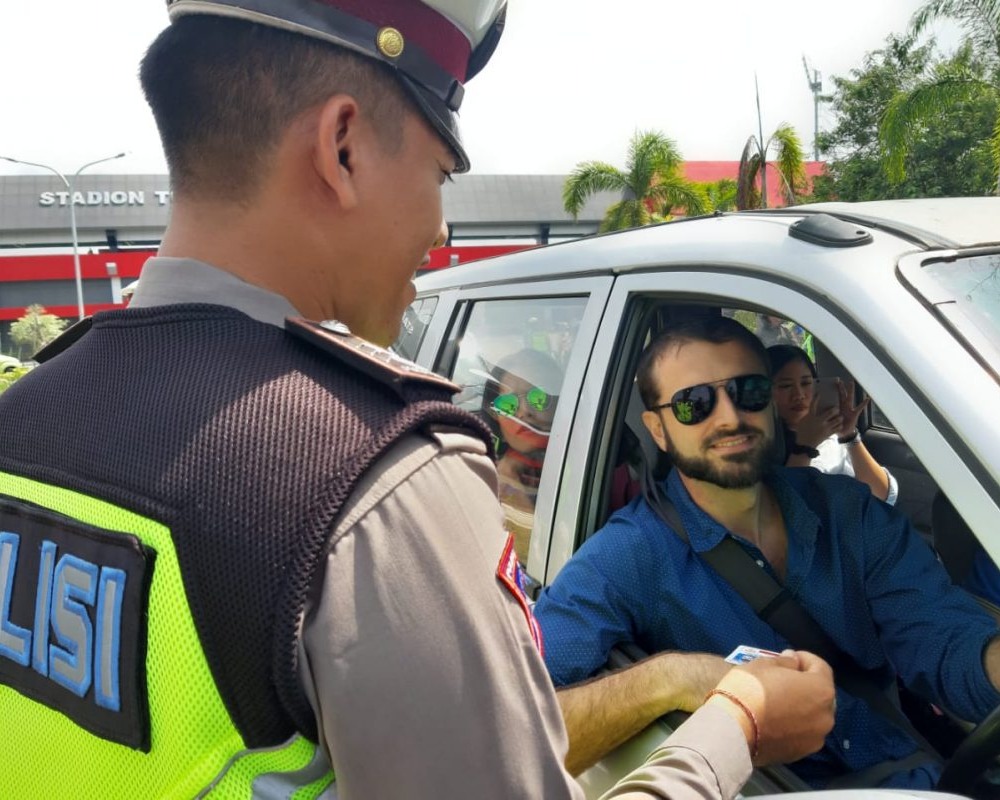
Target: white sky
571 79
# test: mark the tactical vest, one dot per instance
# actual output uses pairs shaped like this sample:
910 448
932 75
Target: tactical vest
168 486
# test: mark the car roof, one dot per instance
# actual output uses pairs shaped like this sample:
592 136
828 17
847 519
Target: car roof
961 221
737 237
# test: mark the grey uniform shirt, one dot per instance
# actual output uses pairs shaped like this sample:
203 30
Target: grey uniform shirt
419 665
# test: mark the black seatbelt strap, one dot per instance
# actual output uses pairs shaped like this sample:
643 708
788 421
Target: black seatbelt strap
774 604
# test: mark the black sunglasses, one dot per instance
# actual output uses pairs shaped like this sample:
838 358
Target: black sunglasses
696 403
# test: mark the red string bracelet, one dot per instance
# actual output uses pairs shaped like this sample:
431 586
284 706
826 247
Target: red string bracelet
746 710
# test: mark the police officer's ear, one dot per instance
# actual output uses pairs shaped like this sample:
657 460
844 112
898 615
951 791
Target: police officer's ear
654 424
339 139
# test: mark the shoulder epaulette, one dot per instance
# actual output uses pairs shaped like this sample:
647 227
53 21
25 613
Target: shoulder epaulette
383 365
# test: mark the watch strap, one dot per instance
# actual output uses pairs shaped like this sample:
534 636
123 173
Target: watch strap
853 438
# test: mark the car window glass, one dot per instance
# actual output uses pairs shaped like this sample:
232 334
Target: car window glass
879 419
510 364
974 284
771 329
414 326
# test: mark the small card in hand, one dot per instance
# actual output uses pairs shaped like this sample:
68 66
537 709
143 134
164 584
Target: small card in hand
744 654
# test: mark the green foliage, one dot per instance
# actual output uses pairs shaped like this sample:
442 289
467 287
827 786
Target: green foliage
748 319
651 185
788 164
947 156
721 194
35 330
7 378
980 19
971 78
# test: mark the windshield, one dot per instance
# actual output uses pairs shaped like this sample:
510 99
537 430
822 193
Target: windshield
974 286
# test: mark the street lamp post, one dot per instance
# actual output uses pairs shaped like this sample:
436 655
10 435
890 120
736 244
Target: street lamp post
72 216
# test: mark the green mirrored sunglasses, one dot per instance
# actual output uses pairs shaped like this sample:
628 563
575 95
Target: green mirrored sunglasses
536 398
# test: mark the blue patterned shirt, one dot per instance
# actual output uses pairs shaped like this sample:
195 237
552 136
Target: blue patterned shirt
853 563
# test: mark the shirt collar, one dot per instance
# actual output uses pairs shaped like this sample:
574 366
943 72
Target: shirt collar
704 533
171 281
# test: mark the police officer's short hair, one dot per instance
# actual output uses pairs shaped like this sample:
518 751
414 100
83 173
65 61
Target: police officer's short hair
228 76
223 91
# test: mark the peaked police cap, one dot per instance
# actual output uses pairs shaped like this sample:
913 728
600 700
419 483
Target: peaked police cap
434 46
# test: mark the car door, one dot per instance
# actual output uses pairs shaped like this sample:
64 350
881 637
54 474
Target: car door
912 372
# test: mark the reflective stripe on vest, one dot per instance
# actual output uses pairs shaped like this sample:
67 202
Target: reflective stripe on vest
297 769
194 746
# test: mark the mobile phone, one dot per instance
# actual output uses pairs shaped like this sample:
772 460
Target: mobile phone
828 393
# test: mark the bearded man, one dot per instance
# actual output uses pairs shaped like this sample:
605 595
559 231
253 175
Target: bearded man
852 562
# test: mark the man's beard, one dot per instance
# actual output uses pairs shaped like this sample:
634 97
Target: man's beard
738 470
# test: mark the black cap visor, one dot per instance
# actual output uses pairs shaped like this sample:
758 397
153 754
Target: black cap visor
442 119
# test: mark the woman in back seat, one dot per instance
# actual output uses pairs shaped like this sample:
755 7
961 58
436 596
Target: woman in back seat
827 439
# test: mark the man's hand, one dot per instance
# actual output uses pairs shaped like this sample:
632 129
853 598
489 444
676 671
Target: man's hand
792 698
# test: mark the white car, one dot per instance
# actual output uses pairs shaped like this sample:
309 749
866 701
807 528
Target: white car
8 363
903 296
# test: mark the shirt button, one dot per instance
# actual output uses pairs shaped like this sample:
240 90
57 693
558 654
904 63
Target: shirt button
760 563
847 744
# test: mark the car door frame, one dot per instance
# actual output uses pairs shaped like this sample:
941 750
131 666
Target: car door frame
602 392
449 321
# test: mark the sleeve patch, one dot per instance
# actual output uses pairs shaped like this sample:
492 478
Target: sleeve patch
511 577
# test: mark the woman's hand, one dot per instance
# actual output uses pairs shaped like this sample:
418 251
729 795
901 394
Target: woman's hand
819 424
849 413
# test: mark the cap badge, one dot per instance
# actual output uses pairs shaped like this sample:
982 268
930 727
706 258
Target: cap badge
390 42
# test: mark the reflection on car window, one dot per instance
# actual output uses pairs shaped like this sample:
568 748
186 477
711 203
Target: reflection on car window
414 326
511 360
771 329
975 286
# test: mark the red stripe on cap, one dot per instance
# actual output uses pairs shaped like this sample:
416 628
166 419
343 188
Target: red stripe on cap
434 33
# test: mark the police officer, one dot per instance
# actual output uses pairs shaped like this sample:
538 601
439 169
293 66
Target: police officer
242 554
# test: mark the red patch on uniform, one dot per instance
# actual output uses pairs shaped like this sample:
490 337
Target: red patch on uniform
509 575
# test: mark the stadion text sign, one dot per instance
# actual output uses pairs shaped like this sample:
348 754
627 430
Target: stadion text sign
157 197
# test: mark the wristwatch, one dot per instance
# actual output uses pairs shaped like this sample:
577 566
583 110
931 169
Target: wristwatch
853 439
804 450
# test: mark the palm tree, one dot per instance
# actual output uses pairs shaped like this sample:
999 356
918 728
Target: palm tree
651 185
789 164
974 74
721 194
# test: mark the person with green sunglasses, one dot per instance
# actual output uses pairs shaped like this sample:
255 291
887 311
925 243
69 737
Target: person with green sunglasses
519 403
